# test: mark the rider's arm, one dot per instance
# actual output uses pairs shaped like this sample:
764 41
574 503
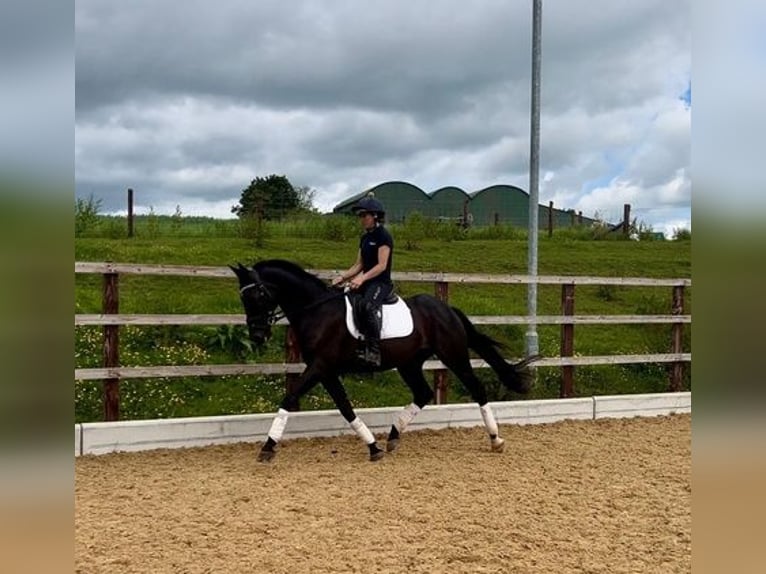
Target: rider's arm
354 270
384 252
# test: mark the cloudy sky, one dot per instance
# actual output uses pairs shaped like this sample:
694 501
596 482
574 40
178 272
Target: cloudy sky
187 101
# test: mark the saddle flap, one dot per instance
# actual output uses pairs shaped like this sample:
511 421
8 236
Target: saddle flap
397 318
357 306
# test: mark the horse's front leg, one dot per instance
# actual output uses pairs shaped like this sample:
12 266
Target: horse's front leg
338 393
421 396
309 379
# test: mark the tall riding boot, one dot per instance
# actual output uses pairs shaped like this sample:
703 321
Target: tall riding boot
372 338
372 355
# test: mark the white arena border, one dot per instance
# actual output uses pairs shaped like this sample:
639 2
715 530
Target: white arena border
129 436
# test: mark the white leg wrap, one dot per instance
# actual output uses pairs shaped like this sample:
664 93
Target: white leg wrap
405 417
361 429
278 425
489 419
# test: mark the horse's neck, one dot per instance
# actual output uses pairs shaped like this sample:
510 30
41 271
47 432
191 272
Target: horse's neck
293 293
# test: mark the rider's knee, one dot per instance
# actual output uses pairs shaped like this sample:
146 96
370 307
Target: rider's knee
372 310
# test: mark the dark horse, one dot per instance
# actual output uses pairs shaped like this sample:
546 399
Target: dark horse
316 313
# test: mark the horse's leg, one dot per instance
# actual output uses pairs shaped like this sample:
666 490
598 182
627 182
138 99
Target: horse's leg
460 364
421 395
338 393
309 379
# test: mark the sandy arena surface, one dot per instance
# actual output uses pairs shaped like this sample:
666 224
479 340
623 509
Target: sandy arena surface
591 496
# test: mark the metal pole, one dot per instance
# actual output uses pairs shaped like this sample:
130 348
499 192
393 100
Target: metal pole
534 177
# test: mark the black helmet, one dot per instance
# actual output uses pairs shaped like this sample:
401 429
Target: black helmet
369 204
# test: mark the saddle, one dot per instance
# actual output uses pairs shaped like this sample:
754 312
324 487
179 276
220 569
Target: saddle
396 321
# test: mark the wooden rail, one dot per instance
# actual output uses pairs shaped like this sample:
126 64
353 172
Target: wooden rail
418 277
294 368
111 320
83 320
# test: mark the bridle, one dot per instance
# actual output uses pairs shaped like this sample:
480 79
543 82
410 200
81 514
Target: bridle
276 313
273 315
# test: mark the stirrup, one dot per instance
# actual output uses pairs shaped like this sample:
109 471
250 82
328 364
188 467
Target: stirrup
370 357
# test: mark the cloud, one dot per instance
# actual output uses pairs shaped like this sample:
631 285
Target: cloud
187 102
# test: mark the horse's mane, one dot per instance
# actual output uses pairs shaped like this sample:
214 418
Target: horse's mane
292 269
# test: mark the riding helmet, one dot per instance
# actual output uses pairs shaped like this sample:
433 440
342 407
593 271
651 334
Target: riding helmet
370 204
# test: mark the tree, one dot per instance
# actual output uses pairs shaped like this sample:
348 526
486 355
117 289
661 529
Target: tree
272 197
306 197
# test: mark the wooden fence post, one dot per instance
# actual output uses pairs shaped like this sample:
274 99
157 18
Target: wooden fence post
567 340
626 219
292 355
677 368
111 356
440 375
130 212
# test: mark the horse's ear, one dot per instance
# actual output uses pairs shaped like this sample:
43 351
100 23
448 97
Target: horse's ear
237 270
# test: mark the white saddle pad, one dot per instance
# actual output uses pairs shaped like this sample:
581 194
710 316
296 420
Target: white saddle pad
397 320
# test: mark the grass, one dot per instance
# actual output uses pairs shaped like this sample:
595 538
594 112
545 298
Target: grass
332 244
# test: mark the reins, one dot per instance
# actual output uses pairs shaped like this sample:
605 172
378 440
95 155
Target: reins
277 314
329 297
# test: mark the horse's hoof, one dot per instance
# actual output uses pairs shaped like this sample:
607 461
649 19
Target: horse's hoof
266 455
498 444
377 455
392 445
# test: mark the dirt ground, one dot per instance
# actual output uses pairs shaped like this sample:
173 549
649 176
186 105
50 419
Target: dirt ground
591 496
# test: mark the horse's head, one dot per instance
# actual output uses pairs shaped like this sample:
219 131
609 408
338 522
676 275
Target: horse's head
259 303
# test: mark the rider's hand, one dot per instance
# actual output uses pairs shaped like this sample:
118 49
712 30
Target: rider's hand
337 280
356 282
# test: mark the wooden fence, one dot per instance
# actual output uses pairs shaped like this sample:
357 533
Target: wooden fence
111 373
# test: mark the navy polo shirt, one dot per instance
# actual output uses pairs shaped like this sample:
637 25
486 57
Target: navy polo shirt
369 244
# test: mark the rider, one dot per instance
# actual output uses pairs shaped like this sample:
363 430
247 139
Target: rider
371 273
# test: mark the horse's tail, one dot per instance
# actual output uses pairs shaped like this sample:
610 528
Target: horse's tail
516 376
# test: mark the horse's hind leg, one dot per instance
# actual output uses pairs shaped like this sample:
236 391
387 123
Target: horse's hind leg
421 395
461 366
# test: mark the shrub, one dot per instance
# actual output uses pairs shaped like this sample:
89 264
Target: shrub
85 214
231 339
339 228
682 234
252 227
113 228
497 232
152 224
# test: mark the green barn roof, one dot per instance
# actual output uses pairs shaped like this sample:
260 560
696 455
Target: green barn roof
496 204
